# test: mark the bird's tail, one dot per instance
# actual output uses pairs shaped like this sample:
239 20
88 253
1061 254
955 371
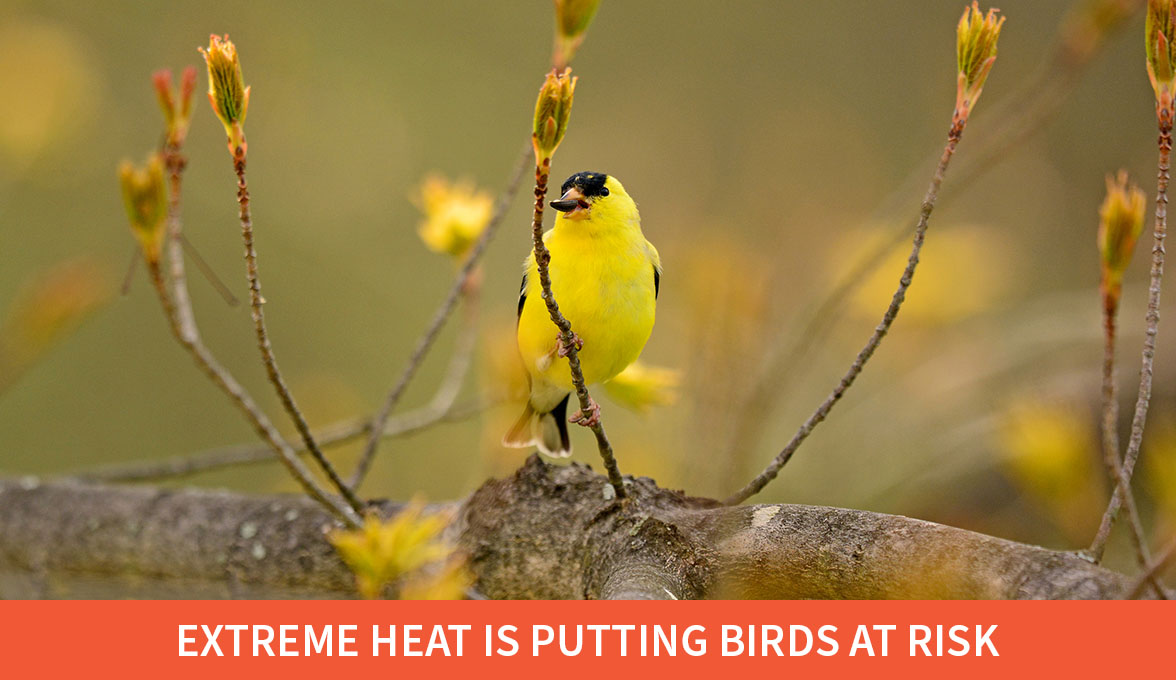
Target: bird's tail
550 434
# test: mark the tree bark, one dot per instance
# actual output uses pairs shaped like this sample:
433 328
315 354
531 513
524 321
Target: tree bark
546 532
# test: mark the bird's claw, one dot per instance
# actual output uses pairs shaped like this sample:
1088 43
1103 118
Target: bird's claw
591 419
561 348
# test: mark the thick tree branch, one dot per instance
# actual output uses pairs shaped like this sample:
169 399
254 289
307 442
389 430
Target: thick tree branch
548 531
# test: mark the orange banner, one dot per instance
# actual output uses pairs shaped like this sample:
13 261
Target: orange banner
585 639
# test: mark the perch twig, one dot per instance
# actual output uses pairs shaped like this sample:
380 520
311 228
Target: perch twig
542 261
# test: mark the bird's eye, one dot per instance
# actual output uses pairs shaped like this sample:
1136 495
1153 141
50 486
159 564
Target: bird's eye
604 191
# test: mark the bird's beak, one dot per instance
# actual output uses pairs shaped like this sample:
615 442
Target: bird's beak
572 203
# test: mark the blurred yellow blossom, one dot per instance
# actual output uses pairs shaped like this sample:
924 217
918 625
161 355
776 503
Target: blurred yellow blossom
732 290
1088 24
45 68
404 554
501 377
965 271
641 387
449 580
456 214
1050 452
50 307
1160 466
502 371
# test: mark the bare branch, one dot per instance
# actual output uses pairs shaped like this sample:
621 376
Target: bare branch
129 276
1110 444
440 409
336 434
1110 422
425 343
769 473
177 309
1020 115
263 342
1139 420
1152 571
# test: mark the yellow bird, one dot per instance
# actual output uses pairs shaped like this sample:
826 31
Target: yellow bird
605 278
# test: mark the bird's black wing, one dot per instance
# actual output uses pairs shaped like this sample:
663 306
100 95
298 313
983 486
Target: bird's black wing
522 299
656 281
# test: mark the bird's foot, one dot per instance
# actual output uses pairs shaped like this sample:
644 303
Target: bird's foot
562 349
591 419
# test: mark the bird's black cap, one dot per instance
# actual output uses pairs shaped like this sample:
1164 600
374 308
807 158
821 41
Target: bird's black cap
589 183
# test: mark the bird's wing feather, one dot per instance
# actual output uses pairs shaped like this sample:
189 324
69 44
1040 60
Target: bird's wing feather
657 267
522 298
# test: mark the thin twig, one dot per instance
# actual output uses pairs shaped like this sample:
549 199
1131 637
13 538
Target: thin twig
185 318
455 374
130 275
542 262
463 353
209 274
1110 409
340 433
441 409
263 342
1123 488
425 343
178 311
1024 111
1110 444
769 473
1152 571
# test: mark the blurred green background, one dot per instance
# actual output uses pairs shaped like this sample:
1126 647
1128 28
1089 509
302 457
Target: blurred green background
759 139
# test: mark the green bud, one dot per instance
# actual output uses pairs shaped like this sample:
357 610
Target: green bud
552 111
226 90
572 18
176 107
976 38
1120 224
144 193
1160 47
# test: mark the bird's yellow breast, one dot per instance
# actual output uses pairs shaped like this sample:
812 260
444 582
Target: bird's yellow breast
604 285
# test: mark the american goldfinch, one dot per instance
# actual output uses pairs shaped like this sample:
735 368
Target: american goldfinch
605 277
